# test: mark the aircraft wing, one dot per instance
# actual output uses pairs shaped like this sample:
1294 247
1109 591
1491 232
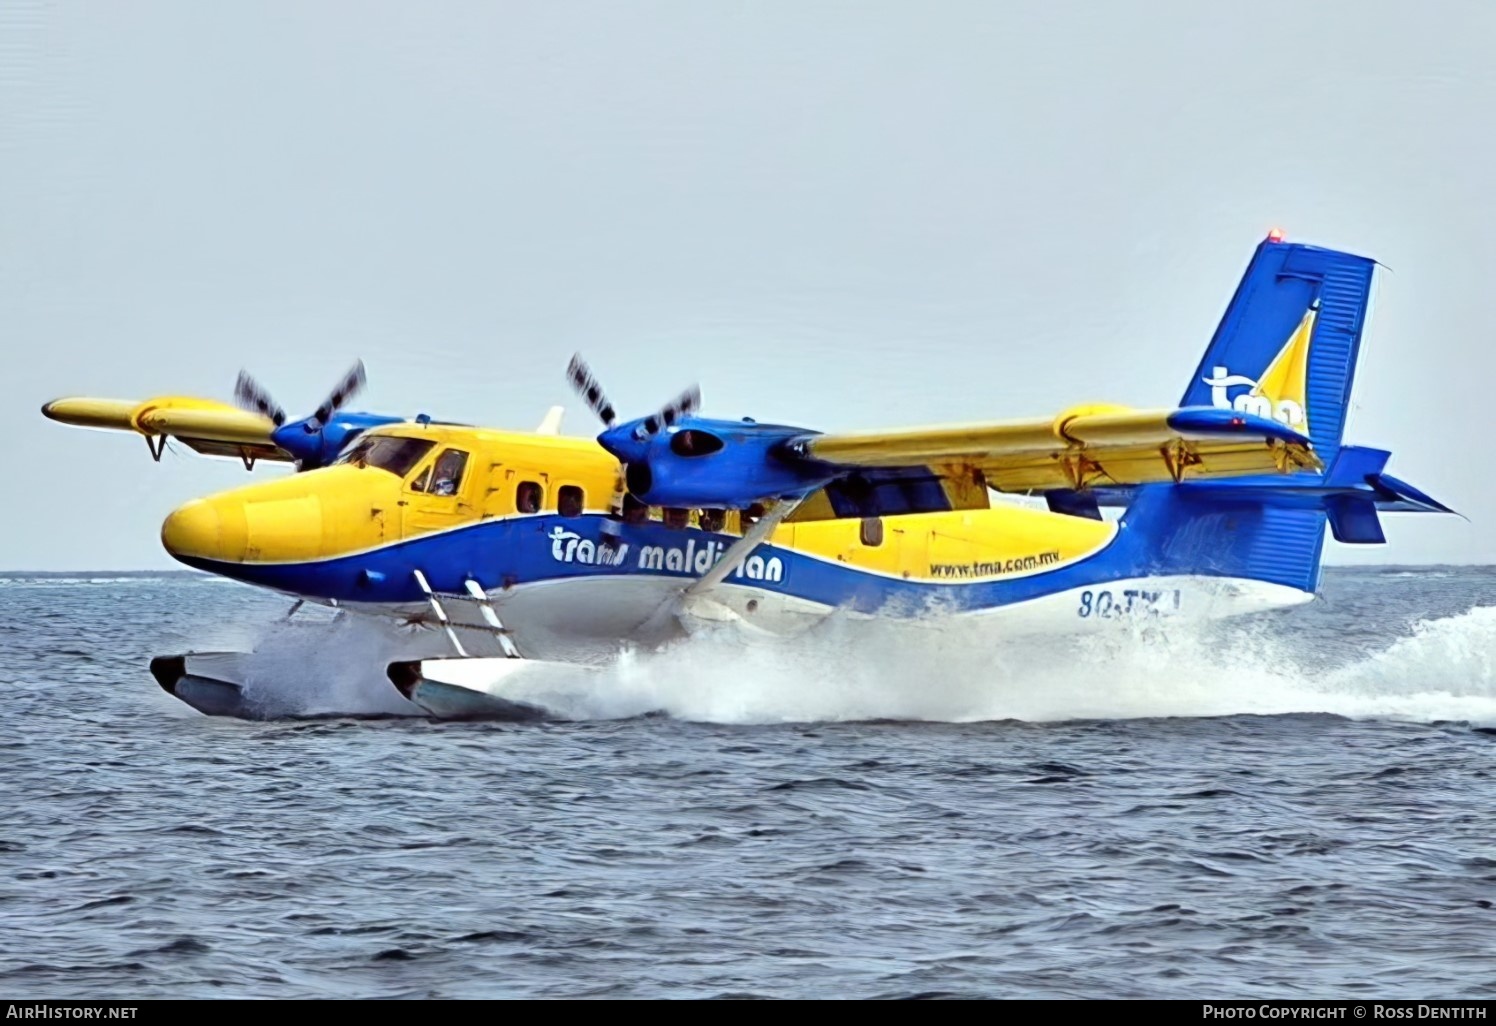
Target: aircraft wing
209 427
1085 447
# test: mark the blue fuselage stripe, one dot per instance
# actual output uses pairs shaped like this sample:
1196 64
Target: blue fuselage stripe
517 551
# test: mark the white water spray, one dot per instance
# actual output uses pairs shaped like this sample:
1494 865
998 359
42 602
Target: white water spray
963 672
316 666
947 671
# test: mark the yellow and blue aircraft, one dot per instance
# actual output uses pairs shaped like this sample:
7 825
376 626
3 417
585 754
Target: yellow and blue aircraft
516 547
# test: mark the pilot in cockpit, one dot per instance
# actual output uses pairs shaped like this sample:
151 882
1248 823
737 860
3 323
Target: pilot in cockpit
448 472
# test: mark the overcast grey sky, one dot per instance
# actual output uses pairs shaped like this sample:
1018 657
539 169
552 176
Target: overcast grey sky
844 215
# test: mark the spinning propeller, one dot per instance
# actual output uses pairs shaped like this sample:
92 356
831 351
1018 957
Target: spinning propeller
253 396
630 443
585 383
587 386
674 458
313 441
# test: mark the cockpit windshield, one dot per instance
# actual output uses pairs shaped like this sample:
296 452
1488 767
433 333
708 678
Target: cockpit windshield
397 455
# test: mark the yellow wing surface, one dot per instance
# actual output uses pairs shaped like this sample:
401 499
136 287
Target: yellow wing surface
1084 447
209 427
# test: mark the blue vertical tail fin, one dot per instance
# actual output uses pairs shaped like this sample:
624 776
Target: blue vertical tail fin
1285 348
1288 342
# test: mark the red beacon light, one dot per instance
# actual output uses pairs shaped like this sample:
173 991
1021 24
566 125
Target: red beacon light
1276 235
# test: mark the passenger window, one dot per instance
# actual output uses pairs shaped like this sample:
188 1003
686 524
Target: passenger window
528 497
872 531
570 501
422 482
446 475
711 519
634 511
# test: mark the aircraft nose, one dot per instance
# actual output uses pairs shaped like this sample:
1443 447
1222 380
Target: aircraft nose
195 531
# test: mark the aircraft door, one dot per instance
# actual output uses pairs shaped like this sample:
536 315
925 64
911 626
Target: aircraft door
436 498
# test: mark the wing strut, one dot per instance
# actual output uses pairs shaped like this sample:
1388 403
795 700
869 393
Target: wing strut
491 618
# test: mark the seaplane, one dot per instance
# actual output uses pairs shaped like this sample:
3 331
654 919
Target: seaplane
500 551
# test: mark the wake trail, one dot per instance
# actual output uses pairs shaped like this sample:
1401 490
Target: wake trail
1446 670
939 671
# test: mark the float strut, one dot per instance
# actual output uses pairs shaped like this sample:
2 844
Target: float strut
441 614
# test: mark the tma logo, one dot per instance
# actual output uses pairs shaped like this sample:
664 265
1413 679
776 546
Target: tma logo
1288 411
1280 393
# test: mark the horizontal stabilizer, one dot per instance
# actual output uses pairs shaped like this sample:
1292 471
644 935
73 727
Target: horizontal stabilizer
1358 467
1353 493
1355 466
1400 497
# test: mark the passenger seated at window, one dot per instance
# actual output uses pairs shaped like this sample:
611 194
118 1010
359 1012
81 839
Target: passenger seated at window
677 518
528 496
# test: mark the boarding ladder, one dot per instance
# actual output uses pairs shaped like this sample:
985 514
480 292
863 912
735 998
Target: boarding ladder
491 626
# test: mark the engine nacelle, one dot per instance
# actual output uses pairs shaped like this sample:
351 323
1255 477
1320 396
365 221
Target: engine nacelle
314 446
712 464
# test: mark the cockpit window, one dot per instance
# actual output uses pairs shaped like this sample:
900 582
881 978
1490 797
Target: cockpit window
397 455
447 478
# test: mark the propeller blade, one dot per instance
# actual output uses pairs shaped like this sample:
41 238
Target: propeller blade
688 401
346 389
586 385
251 396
